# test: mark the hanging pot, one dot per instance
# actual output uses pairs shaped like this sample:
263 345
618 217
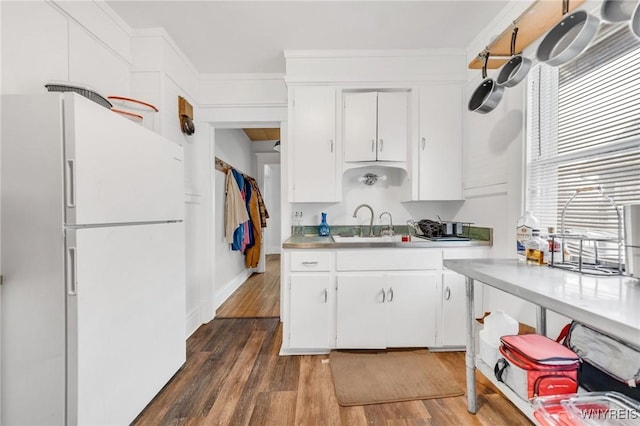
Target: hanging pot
568 39
488 94
634 23
516 69
617 10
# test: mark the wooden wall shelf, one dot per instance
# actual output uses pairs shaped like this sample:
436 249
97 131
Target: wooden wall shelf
532 23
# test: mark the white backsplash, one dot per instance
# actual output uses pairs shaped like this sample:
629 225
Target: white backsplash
384 195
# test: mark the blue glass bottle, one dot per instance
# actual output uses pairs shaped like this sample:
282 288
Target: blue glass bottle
323 228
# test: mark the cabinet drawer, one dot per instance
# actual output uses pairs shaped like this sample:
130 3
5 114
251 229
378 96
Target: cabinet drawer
310 261
388 260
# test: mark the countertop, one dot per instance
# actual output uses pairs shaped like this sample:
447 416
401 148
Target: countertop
317 242
608 303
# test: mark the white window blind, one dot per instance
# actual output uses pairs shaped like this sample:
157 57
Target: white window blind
583 129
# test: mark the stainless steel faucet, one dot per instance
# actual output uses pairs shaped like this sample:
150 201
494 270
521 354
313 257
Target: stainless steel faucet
390 232
355 215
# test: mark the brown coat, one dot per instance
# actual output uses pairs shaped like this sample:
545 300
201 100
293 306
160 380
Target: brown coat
252 254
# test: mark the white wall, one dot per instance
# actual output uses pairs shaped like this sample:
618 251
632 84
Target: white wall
81 42
233 147
271 196
268 175
160 74
493 164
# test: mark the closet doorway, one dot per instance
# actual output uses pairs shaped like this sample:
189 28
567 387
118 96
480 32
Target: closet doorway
258 296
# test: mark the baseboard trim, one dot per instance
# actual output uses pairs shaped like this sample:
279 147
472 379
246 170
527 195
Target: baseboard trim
225 292
192 321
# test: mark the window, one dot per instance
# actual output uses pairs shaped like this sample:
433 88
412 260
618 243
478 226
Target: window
583 122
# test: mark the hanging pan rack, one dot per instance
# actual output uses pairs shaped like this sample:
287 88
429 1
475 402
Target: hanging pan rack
536 20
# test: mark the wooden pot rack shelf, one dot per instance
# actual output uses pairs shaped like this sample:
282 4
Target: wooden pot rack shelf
531 24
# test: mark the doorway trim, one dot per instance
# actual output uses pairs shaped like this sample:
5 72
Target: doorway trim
263 159
231 117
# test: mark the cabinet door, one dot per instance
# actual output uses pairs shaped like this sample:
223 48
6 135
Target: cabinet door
360 133
454 325
392 126
361 312
311 298
440 143
313 144
411 307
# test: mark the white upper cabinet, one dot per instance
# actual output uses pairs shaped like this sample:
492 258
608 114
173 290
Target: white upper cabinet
375 126
393 113
313 141
440 142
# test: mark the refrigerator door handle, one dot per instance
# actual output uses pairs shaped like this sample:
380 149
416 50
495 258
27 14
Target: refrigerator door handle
70 186
72 288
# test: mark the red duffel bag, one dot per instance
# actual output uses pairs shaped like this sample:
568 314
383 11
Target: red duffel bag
534 365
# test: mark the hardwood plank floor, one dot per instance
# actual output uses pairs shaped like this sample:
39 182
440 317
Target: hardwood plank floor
258 297
234 376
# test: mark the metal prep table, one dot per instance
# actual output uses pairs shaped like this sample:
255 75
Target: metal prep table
610 304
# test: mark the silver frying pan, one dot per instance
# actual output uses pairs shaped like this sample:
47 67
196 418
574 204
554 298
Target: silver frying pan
488 94
516 69
617 10
568 39
634 23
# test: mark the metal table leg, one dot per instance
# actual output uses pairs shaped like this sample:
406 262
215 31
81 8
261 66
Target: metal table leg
470 357
541 320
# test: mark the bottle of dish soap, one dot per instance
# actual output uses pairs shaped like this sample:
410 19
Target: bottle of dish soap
524 232
323 228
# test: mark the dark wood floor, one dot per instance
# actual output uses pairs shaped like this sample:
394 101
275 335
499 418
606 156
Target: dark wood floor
257 297
234 376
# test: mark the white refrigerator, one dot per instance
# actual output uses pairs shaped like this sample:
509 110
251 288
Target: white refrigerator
93 298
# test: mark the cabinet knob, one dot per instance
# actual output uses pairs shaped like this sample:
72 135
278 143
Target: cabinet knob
326 295
390 294
424 142
384 295
381 144
447 293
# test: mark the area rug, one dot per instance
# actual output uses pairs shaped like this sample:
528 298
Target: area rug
362 378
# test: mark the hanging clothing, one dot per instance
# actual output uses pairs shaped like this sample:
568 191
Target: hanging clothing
264 214
235 210
248 193
245 216
252 255
257 212
240 234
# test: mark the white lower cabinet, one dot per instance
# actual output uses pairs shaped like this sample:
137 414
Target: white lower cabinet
387 298
411 317
361 312
392 310
374 299
454 325
312 299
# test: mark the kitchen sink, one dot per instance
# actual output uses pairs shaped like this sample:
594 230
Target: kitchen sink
366 240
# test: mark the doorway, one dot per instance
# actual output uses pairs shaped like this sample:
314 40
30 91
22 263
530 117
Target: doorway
246 292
